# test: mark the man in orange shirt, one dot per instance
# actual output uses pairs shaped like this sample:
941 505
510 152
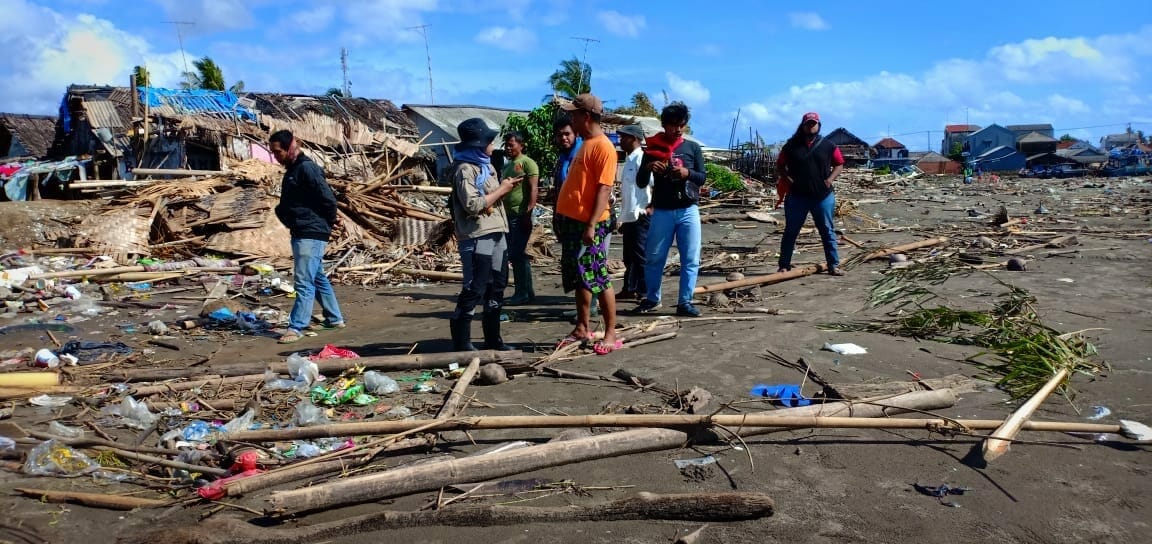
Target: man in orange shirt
582 224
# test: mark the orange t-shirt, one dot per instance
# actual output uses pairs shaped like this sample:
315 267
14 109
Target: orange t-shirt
595 165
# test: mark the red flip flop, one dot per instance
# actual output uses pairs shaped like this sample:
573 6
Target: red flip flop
602 349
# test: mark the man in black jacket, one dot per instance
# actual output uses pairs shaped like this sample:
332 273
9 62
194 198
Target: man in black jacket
808 165
308 209
676 167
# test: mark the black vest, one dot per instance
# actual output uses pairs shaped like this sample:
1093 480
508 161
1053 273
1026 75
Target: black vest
809 167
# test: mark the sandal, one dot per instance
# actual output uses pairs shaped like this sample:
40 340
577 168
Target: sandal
603 349
290 337
783 269
318 327
834 271
569 340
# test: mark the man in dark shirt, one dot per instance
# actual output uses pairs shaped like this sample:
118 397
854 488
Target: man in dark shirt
308 209
807 166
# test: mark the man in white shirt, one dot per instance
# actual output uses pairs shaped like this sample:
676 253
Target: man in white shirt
633 213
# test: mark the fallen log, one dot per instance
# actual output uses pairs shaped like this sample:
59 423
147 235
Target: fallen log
121 272
880 254
700 507
96 500
767 279
510 359
431 476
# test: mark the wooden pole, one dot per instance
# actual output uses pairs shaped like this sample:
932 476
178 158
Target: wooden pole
430 274
1001 439
451 406
879 254
95 272
698 507
96 500
175 172
433 476
762 280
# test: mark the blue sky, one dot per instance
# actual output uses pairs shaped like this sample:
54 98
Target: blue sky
897 68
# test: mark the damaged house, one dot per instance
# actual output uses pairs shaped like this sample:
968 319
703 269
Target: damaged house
26 136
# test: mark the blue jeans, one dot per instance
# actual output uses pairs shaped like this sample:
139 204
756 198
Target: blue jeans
309 280
796 210
683 225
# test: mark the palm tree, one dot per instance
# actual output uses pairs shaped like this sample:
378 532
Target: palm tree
641 106
573 78
208 75
143 78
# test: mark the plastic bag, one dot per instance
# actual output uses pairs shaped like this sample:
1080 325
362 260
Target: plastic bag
197 431
379 384
302 369
273 382
309 414
333 352
7 443
241 423
63 431
52 458
845 349
136 414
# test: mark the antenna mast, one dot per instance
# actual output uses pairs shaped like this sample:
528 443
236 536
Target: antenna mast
344 68
584 62
428 53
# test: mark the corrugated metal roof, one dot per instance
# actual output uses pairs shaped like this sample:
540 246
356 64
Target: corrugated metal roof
1038 127
102 113
447 118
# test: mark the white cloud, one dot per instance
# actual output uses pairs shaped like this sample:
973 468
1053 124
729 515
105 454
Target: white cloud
309 21
58 50
619 24
690 91
1011 83
370 21
807 20
510 39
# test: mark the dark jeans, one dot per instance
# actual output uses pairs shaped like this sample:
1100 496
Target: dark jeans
519 231
796 211
635 241
485 261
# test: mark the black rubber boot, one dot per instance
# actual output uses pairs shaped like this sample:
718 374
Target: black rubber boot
492 338
461 328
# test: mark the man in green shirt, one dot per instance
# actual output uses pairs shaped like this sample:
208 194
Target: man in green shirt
518 206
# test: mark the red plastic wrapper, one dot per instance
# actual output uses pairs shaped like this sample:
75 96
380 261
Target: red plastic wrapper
333 352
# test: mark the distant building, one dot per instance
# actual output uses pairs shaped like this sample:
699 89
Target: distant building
1004 158
988 138
1024 130
1035 143
891 153
931 162
955 134
1123 139
856 152
436 124
26 136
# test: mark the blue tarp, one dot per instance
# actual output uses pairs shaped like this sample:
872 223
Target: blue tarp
195 101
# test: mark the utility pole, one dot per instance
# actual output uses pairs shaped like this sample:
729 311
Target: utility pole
427 52
180 38
584 62
344 68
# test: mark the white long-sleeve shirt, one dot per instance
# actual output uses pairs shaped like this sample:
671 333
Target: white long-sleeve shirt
633 199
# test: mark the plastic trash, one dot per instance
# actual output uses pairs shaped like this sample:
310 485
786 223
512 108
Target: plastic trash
52 458
398 412
273 382
63 431
333 352
49 402
302 369
46 359
379 384
341 393
1099 412
696 462
7 443
197 431
241 423
72 292
306 449
136 413
845 349
309 414
786 394
157 328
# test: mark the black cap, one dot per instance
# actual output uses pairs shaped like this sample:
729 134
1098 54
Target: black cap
635 131
475 132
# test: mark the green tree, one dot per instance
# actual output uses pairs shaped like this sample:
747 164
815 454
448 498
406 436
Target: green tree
208 75
956 153
641 106
1067 138
536 127
143 78
572 78
334 91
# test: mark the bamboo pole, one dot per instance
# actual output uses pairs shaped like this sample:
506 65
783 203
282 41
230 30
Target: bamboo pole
430 274
767 279
451 406
96 500
123 270
433 476
879 254
146 390
29 380
1001 439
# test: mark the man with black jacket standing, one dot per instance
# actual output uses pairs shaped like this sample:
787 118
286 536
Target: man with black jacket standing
308 209
808 165
676 167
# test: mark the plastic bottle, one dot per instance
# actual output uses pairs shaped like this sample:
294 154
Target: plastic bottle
63 431
46 359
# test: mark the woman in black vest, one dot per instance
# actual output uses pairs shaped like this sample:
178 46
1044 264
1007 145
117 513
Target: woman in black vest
808 164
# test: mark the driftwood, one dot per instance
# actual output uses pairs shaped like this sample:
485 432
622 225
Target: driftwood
389 363
880 254
451 406
96 500
433 476
699 507
196 383
1001 439
853 391
767 279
